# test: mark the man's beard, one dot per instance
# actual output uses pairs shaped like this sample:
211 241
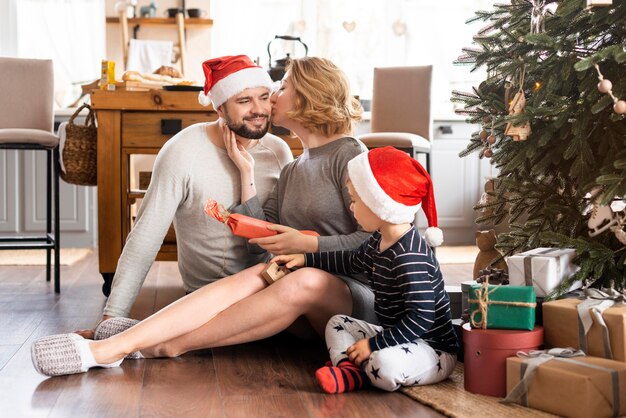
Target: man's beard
242 130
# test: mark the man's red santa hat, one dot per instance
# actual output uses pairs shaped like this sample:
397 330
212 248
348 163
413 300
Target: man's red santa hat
394 186
228 76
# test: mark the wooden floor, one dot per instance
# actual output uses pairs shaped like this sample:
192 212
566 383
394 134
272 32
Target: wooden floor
271 378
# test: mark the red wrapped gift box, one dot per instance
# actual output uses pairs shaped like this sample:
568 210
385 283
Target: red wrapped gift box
485 352
242 225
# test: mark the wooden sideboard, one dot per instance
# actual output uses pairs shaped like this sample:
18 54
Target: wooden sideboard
131 123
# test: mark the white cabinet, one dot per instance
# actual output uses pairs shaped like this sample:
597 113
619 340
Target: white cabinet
458 181
23 199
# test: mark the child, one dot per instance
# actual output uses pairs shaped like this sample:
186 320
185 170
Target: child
415 343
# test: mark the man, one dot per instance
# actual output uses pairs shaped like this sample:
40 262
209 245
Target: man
194 166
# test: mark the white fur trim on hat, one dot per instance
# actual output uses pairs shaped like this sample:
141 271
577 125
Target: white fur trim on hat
433 236
235 83
374 196
203 99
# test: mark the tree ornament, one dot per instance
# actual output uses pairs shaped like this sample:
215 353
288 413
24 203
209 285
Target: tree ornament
516 107
602 219
538 16
605 86
521 132
488 139
594 3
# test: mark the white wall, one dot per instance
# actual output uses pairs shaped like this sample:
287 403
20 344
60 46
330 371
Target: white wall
198 38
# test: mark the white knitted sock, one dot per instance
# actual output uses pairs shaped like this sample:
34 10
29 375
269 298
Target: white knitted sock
86 356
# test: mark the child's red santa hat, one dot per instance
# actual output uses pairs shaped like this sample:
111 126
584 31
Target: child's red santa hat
394 186
228 76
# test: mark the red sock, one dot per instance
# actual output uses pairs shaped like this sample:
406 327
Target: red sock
344 377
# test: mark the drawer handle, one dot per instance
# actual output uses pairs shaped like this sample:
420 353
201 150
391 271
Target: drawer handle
171 126
445 129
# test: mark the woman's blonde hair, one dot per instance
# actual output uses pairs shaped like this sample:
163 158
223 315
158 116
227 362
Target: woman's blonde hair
323 102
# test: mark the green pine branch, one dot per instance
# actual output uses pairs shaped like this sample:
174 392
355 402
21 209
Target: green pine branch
577 144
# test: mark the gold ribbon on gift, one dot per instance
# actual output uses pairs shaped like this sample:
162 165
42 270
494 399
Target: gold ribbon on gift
482 299
595 303
534 359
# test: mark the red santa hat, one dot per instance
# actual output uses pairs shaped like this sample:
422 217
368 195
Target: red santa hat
228 76
394 186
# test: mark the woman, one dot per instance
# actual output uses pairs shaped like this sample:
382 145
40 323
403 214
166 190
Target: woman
314 102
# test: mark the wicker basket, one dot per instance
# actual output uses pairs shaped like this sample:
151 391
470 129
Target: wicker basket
80 153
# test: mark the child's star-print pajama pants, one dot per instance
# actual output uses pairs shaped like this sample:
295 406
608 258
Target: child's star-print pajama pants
408 364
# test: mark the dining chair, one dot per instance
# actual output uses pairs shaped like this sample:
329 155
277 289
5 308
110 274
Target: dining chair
401 110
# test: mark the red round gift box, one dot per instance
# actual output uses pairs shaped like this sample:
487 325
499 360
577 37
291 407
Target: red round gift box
485 353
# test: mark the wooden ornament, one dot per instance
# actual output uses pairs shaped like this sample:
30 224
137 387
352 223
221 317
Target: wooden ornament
273 272
601 219
594 3
521 132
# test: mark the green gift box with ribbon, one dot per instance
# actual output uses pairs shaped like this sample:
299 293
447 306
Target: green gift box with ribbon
502 307
566 383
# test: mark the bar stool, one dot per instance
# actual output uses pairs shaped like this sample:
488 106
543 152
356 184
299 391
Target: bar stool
26 123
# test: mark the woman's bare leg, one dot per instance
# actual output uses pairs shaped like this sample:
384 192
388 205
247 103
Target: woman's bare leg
311 293
182 316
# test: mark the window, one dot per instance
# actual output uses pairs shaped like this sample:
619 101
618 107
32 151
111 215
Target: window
357 35
70 32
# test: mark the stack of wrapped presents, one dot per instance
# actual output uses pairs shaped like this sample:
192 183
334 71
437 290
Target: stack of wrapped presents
568 361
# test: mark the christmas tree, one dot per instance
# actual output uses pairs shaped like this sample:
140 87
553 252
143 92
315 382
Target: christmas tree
554 126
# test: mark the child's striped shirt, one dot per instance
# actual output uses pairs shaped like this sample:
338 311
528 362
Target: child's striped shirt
410 299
